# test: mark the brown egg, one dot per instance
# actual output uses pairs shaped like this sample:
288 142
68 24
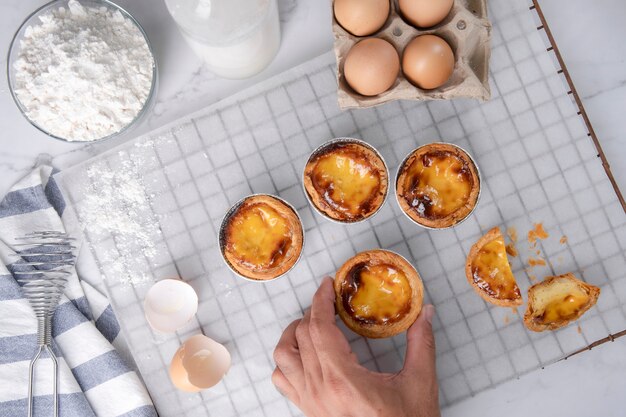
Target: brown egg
371 66
361 17
425 13
428 61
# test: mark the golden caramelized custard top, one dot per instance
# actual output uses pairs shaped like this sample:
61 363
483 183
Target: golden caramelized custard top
438 185
488 270
564 307
346 181
376 293
492 273
262 238
557 301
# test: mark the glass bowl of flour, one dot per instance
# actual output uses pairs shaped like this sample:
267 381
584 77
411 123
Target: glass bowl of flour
82 70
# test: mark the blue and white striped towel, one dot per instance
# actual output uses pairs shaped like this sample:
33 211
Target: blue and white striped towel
94 379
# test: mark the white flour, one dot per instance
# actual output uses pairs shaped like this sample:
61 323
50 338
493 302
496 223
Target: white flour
83 73
116 206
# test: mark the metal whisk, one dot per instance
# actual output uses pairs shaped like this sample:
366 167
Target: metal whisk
48 258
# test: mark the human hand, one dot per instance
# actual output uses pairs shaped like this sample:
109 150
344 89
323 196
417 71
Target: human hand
319 373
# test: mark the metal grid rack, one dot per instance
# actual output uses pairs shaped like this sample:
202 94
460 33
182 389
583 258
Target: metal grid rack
538 165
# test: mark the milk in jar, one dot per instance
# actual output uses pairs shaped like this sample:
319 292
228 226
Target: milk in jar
236 38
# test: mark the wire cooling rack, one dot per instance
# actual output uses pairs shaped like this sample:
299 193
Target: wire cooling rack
538 165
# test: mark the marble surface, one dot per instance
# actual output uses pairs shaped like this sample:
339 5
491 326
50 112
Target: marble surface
184 84
596 59
595 56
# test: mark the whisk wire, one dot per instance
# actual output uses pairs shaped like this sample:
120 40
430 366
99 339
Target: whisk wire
47 260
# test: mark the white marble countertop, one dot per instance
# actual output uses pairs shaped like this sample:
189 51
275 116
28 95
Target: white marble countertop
588 384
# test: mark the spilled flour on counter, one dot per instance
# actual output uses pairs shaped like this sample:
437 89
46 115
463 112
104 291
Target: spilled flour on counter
116 205
83 73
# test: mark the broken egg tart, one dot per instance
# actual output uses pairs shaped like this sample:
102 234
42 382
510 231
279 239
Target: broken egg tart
438 185
557 301
261 237
378 293
488 271
346 180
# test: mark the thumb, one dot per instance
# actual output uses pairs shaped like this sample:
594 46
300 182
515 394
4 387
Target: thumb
420 346
330 343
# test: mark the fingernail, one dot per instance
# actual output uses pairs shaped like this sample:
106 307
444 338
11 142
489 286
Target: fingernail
428 312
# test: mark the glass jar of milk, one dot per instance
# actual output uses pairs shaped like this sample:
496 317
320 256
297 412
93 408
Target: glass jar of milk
236 38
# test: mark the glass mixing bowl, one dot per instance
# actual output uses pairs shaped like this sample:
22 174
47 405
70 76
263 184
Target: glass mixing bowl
33 19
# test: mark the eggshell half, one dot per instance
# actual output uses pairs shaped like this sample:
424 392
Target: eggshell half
205 360
179 376
169 305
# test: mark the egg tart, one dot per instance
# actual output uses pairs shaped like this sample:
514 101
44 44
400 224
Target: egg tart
558 301
346 180
438 185
378 293
489 272
261 237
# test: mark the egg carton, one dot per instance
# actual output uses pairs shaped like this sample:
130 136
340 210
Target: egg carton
466 28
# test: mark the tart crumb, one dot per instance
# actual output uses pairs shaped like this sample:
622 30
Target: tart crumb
537 233
512 233
563 240
511 250
536 261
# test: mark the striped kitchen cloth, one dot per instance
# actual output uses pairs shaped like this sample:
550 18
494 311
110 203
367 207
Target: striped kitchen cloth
93 377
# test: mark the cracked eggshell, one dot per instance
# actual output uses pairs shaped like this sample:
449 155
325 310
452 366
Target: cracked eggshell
178 374
199 363
206 361
169 305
